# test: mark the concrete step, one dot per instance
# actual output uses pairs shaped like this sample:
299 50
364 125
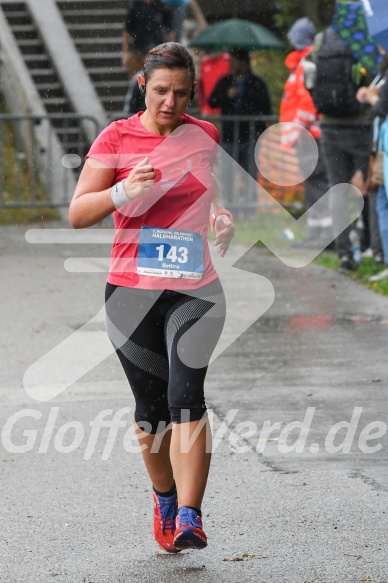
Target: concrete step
96 41
99 60
26 33
37 61
101 85
57 105
103 74
23 28
44 75
91 4
45 86
106 93
30 43
46 92
56 100
96 29
113 102
12 6
100 54
17 17
109 90
31 46
93 16
67 125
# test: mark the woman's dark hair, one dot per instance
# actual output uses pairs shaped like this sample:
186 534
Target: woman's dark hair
168 56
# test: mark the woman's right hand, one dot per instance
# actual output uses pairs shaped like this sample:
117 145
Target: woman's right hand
140 180
362 94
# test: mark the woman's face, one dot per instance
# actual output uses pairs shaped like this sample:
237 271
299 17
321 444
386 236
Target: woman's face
167 96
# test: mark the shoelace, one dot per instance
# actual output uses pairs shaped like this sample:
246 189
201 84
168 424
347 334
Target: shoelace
187 517
168 512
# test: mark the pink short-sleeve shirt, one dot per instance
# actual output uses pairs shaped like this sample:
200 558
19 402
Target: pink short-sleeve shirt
179 201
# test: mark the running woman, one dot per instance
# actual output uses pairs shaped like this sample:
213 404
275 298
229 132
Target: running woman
165 306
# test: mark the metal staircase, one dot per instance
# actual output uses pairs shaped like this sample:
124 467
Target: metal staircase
43 73
96 28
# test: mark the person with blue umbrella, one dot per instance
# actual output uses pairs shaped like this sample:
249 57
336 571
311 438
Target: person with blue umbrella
377 96
376 12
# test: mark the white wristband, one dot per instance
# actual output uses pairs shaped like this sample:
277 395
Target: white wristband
119 195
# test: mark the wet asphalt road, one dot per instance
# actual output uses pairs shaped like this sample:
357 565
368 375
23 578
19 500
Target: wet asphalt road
311 350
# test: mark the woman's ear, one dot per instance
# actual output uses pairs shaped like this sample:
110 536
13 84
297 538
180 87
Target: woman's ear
142 85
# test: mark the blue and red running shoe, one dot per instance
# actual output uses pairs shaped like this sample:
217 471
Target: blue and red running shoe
165 512
189 533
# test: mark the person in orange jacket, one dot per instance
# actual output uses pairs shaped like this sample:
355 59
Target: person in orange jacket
297 114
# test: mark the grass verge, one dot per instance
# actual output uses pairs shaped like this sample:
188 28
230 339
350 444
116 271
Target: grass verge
248 231
16 180
366 269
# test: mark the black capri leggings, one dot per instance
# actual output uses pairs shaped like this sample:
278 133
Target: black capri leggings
164 341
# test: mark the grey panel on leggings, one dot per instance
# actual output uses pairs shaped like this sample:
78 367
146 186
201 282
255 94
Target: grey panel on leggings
193 310
143 358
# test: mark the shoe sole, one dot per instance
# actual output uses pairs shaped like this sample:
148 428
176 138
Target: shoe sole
189 540
172 550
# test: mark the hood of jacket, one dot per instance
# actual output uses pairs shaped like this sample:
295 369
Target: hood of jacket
294 58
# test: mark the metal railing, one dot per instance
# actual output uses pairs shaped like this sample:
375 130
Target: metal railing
42 167
257 156
41 156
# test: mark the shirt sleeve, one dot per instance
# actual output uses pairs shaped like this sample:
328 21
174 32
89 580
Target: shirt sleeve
317 44
106 147
381 107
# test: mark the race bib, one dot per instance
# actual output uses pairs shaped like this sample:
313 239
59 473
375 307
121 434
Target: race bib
170 253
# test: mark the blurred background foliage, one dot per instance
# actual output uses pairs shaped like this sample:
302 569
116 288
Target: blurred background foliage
276 14
287 11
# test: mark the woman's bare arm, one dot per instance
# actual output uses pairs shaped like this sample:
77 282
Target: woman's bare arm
92 201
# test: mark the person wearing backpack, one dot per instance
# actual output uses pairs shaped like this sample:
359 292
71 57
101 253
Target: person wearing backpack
345 55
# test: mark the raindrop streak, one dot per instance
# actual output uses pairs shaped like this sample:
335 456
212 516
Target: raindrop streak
71 161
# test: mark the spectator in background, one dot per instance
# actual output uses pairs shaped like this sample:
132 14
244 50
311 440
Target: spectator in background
241 93
148 23
369 231
297 112
134 100
344 53
178 9
378 99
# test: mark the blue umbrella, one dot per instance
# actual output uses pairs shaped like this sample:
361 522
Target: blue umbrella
377 16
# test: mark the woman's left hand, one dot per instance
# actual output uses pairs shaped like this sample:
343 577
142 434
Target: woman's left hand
224 229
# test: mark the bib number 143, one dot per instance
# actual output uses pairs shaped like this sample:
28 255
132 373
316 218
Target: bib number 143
173 254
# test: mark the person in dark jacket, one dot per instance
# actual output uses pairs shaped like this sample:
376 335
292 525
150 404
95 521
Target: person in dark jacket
241 93
148 23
